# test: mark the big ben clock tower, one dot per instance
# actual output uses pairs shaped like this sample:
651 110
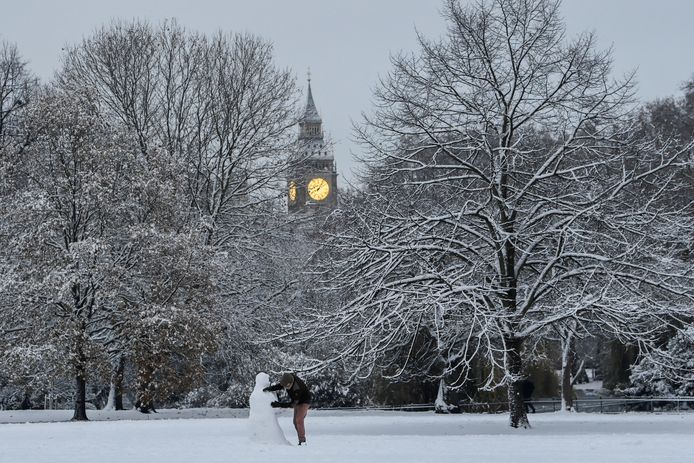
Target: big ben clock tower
312 183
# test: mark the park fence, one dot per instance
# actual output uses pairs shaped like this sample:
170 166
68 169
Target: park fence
594 405
591 405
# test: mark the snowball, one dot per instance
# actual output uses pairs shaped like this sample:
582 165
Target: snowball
264 427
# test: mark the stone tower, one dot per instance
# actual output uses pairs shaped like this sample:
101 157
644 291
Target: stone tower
312 182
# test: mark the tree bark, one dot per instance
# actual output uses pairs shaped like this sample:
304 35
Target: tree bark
80 384
441 405
567 367
517 413
80 397
115 394
110 402
117 381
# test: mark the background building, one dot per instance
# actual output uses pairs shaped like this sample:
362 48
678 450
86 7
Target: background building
312 181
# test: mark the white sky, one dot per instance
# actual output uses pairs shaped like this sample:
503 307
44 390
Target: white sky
347 42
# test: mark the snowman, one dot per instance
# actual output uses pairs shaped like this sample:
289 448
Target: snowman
264 427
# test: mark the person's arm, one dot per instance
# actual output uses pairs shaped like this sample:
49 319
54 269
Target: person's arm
281 404
274 387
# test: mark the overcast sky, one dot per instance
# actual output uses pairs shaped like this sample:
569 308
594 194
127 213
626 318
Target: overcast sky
347 42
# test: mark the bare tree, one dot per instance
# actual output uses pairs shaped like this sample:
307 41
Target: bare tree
218 105
119 62
506 194
16 88
250 116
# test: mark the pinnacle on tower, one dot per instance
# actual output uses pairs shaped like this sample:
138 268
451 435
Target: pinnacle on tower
311 115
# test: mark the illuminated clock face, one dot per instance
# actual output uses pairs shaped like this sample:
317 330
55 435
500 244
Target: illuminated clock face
318 189
292 191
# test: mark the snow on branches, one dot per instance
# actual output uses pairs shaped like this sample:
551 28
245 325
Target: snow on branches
507 190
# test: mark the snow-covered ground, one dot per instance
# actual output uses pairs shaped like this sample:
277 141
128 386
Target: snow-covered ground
341 437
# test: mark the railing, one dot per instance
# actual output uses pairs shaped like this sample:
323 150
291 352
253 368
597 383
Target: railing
395 408
594 405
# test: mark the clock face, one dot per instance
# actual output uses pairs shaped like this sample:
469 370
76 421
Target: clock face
318 189
292 191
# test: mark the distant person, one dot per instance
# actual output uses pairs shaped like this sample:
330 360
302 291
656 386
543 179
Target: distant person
300 401
527 388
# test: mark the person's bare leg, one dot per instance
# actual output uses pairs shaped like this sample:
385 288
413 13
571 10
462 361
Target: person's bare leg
300 412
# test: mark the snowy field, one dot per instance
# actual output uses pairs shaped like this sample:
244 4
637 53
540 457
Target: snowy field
337 437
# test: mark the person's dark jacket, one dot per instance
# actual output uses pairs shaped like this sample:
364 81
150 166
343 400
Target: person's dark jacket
298 393
527 388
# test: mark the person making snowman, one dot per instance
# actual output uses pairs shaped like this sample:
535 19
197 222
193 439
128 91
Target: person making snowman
300 401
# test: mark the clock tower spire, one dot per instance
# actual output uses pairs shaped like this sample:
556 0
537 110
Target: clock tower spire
312 182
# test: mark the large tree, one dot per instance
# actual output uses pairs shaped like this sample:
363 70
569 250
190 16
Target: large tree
15 89
506 193
61 223
212 119
219 106
140 225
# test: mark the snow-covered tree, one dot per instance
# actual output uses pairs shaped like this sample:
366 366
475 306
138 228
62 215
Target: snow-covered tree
212 119
506 193
60 224
568 333
668 371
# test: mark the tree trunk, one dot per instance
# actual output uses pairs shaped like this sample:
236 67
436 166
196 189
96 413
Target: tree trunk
117 383
441 406
567 368
115 394
26 400
80 397
111 401
145 391
618 359
80 381
518 416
